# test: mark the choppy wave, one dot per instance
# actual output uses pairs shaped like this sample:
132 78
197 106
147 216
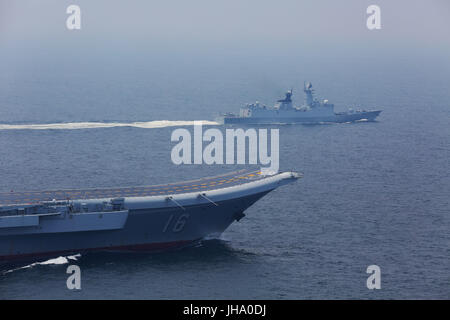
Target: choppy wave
96 125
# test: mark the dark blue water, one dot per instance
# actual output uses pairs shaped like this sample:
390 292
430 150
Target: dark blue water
372 193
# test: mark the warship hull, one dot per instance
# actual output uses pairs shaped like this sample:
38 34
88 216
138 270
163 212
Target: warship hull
313 111
144 220
280 119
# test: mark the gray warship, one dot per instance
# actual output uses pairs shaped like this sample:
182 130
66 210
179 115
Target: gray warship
146 218
312 111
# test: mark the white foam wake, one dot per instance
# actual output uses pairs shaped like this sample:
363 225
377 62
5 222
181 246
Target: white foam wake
55 261
95 125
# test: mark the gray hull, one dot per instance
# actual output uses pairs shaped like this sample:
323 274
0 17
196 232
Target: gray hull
149 223
336 118
144 230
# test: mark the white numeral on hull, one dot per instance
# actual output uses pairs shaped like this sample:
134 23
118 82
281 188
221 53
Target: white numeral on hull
178 225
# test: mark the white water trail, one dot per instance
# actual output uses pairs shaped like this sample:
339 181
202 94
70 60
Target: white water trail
55 261
96 125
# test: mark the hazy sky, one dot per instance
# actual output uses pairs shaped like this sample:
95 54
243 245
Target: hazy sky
192 24
186 36
227 49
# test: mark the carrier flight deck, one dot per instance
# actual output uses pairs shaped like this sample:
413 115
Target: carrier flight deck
225 180
149 218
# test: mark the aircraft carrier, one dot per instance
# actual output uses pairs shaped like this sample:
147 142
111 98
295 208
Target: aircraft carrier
312 111
148 218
